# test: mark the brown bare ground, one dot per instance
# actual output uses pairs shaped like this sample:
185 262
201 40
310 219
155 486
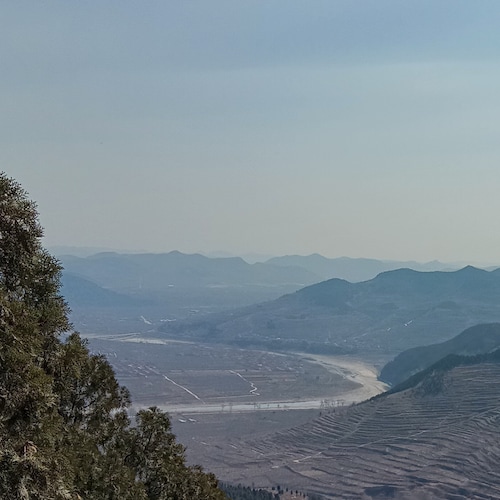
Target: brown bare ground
405 445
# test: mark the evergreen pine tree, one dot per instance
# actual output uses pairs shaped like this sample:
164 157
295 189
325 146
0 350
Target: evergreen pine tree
64 428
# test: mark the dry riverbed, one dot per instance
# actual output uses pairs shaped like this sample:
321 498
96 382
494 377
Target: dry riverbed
355 370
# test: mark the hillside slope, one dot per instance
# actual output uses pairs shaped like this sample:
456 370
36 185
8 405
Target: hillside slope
395 311
475 340
81 292
437 438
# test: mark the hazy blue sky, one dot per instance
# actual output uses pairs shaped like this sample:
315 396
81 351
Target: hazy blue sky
357 127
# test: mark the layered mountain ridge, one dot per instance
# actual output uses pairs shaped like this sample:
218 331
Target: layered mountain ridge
394 311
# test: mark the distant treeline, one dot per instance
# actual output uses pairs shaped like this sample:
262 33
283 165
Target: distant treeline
246 493
241 492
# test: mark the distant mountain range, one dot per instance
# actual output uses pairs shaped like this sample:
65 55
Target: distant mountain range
128 292
147 271
434 437
395 311
82 292
387 314
353 270
134 273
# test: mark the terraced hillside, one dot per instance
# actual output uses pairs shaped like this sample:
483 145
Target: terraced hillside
437 439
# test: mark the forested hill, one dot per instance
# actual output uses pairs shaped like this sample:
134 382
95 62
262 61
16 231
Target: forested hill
395 311
475 340
430 379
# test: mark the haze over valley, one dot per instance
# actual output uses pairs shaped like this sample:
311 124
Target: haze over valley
274 226
179 285
262 393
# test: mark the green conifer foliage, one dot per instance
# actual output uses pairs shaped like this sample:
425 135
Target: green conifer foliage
64 428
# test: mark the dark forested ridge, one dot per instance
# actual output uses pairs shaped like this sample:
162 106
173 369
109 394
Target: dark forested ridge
64 428
475 340
430 378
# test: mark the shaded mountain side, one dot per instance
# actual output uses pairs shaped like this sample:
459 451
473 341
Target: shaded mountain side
80 292
431 377
156 272
435 438
352 269
166 287
96 309
395 311
475 340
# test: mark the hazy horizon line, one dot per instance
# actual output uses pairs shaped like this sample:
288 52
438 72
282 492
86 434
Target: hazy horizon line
251 257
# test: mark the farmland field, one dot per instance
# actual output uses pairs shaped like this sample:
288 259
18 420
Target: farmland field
169 374
215 393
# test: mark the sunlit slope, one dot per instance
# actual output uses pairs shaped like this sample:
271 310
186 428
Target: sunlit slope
388 314
437 438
